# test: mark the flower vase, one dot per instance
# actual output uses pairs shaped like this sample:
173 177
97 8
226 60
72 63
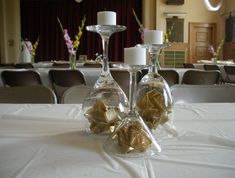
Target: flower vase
214 60
72 60
32 59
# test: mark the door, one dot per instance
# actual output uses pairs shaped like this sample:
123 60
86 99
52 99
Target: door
200 36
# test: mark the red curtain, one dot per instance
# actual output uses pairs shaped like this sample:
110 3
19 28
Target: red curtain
39 18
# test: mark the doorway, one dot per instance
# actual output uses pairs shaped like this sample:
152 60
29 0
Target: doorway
200 36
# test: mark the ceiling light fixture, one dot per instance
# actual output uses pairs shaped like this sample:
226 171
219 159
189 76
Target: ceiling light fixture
210 7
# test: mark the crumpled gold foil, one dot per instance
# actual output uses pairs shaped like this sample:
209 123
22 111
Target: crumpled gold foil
133 138
153 109
101 117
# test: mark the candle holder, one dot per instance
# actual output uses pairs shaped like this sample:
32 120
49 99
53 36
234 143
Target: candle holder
153 98
131 137
106 101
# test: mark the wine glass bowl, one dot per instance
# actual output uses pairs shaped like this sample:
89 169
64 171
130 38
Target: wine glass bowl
153 100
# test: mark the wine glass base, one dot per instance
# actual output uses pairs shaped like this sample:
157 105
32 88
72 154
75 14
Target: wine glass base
105 30
113 149
132 139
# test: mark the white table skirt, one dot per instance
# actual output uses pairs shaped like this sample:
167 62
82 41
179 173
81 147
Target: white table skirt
47 141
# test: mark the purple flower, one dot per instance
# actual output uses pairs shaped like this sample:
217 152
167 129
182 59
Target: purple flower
212 50
68 42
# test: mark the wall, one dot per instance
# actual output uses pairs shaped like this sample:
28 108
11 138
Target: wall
229 6
195 11
9 30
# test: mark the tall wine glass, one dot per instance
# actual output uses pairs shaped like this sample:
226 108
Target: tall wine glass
106 101
153 99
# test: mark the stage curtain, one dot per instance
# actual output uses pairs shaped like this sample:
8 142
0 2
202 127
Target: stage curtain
39 18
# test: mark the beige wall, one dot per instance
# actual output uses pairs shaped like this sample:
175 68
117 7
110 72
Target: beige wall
10 34
195 11
229 6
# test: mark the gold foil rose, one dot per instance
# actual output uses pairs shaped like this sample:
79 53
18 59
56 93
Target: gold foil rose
101 117
153 109
133 138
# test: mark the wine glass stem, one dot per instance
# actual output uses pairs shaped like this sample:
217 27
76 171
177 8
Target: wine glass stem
105 46
152 66
132 90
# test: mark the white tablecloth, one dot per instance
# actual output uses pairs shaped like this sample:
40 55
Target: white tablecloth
50 141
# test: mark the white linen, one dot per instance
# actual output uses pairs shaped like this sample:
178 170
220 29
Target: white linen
50 141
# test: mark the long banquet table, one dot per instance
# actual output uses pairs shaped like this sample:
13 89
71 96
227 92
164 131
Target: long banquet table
47 141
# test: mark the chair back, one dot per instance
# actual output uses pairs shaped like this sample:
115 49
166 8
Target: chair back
170 76
199 77
75 94
63 79
229 70
122 77
92 65
230 74
188 65
7 66
60 65
211 67
27 94
20 78
24 66
203 93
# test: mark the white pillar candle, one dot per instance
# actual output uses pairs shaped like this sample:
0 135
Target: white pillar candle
153 37
135 56
106 18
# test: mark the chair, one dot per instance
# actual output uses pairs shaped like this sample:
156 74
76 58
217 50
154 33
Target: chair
188 65
63 79
75 94
27 94
60 65
122 77
24 66
230 74
7 66
199 77
92 65
203 93
20 78
171 76
211 67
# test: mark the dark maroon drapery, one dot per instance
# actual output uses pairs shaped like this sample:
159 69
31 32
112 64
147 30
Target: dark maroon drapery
39 18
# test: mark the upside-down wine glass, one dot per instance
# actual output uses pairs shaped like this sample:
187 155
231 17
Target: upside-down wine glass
131 137
106 101
153 97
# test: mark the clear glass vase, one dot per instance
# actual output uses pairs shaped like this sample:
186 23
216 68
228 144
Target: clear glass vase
153 97
106 102
214 60
73 61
